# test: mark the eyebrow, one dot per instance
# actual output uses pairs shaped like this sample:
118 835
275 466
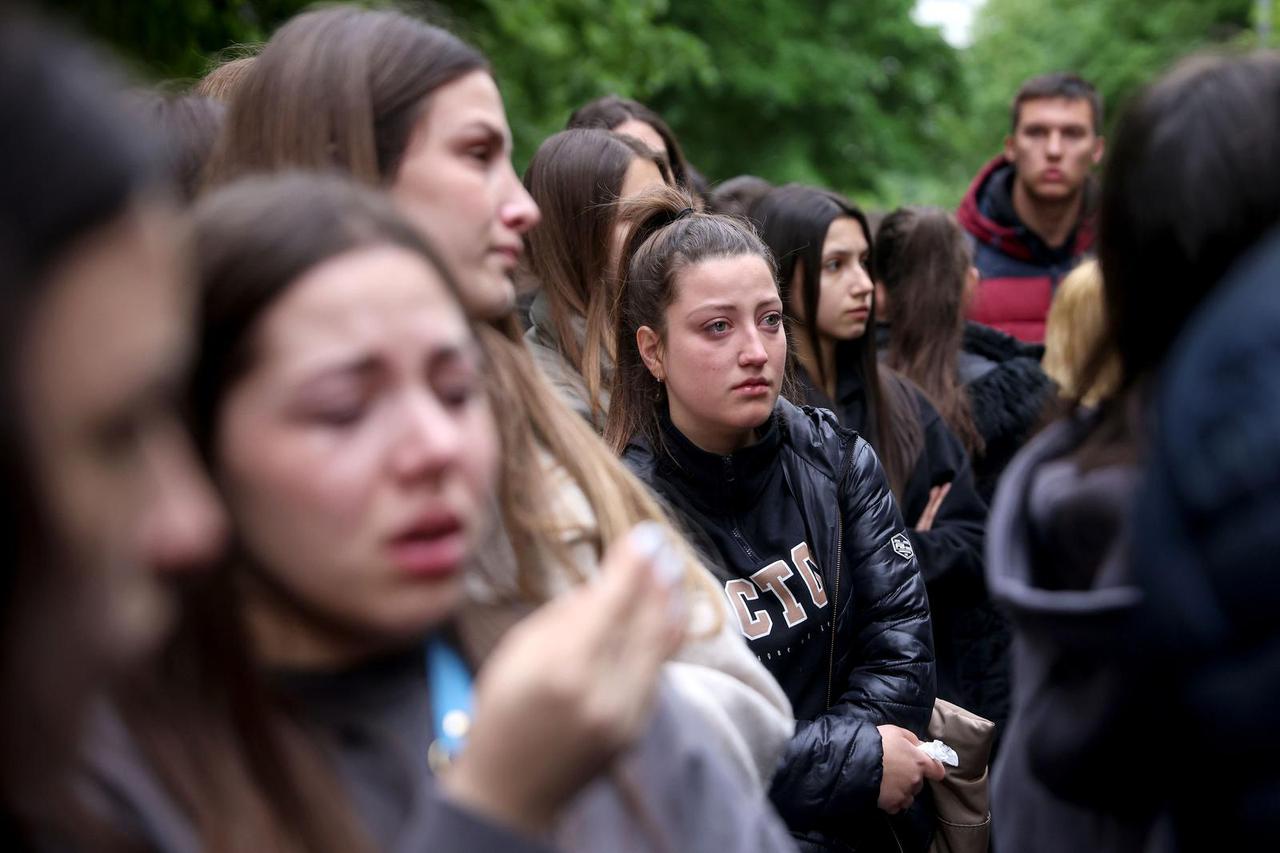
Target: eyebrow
727 308
365 365
487 128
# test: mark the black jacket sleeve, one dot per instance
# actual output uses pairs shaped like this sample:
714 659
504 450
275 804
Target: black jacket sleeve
833 766
952 549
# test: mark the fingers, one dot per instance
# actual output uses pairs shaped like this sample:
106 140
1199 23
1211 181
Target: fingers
933 769
910 737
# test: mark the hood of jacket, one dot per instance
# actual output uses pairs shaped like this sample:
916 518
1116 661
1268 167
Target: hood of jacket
1057 544
987 213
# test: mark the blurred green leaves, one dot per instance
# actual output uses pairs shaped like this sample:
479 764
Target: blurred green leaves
852 94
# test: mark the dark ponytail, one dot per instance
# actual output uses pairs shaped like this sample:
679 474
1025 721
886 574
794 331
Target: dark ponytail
667 235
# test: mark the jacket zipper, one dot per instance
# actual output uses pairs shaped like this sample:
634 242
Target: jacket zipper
737 535
835 606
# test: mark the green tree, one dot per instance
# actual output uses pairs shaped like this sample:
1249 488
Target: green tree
1117 44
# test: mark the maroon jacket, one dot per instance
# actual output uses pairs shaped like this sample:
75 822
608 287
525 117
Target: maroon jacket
1019 272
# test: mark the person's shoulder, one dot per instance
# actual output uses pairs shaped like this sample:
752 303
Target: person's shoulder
817 439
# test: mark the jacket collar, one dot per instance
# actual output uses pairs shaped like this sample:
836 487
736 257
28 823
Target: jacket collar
737 478
987 213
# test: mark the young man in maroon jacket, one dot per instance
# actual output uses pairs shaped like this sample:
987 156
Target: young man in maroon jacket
1028 210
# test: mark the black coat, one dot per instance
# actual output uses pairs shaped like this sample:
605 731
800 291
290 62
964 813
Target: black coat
970 636
1008 393
881 668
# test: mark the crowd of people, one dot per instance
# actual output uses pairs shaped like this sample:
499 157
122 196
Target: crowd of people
363 494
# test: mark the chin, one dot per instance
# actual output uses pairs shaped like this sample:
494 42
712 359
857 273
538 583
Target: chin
491 296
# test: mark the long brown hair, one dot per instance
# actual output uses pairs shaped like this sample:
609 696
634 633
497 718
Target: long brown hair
575 177
667 237
794 220
396 59
339 88
923 259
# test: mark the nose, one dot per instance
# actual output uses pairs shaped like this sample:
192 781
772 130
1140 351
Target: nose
753 353
430 440
1054 148
861 283
518 210
183 527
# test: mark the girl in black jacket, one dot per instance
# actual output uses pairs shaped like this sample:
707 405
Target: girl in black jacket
824 247
815 559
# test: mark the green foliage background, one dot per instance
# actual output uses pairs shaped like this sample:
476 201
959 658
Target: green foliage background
852 94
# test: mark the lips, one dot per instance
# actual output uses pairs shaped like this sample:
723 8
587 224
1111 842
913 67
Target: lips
509 254
433 545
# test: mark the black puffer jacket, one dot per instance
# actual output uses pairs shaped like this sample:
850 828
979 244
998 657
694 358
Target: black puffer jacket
1008 392
970 637
880 667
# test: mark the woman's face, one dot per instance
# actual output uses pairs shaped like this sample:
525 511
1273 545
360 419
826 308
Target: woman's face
723 353
357 458
457 184
643 132
844 303
100 375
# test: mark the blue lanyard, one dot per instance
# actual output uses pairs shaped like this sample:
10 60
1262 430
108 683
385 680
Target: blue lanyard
449 682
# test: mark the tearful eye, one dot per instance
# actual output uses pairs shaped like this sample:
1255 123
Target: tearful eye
772 320
832 266
718 327
455 395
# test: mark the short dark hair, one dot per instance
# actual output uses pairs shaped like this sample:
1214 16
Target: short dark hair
1073 87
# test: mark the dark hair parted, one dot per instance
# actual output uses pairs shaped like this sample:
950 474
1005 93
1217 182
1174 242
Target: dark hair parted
736 196
1191 183
1072 87
667 236
71 163
922 259
575 177
610 111
339 88
794 221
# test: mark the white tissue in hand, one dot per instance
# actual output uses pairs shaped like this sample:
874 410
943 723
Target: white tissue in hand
939 751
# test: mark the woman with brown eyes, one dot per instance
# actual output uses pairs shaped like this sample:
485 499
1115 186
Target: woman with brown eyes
404 106
824 249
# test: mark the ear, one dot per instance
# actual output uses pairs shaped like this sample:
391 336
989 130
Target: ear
1008 149
650 346
882 303
1099 148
